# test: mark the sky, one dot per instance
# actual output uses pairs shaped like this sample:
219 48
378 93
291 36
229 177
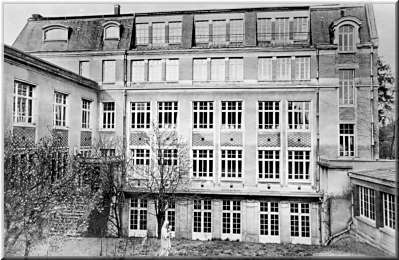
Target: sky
16 14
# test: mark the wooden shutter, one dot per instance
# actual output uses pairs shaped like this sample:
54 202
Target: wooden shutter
291 28
273 30
355 195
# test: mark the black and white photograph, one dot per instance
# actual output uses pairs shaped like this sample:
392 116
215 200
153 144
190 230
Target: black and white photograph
199 129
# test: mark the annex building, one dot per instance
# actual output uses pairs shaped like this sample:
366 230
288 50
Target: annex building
276 103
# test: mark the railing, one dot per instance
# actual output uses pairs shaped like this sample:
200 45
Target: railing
283 38
225 40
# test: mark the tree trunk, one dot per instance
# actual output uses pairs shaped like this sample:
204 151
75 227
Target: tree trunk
27 245
160 220
392 155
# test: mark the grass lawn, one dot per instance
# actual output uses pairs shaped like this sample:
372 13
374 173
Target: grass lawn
119 247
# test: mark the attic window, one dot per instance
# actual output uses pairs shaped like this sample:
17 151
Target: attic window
111 31
346 33
55 33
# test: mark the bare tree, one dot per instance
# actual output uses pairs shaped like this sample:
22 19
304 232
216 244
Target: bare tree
162 175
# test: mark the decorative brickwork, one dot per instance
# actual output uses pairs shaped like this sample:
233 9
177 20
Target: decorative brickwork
85 138
231 139
202 139
269 140
62 136
138 138
298 139
347 113
25 136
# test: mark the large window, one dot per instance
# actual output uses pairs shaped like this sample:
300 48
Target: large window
264 28
107 152
301 28
203 114
346 35
112 32
172 70
346 140
171 214
346 86
138 214
283 70
269 218
200 70
84 68
236 30
60 109
141 156
298 165
231 114
302 68
300 219
86 113
201 31
389 210
167 157
138 70
298 114
155 70
269 113
282 29
202 216
108 115
236 72
142 34
167 114
108 71
219 31
218 69
158 33
231 217
231 163
140 114
23 103
268 164
265 69
175 32
367 202
202 163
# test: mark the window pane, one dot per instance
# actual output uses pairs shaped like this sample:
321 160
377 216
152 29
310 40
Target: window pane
109 71
112 32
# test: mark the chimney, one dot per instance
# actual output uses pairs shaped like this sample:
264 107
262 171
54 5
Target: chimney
117 9
35 17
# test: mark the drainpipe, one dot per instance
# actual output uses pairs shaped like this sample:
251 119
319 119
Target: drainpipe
372 102
124 123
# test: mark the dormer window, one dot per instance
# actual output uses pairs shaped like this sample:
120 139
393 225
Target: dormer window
55 33
346 33
111 31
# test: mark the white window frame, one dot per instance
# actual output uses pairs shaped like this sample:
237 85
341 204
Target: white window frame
265 109
236 30
158 33
142 209
265 68
203 110
270 165
301 114
218 69
175 32
301 28
346 87
25 117
202 209
304 162
282 29
140 156
201 31
301 239
112 73
86 113
112 32
200 69
203 163
218 31
264 29
388 206
142 34
302 68
232 110
172 70
61 36
171 111
347 140
236 69
155 70
231 215
60 110
140 115
84 68
267 211
108 116
169 157
367 203
138 70
283 68
236 159
348 35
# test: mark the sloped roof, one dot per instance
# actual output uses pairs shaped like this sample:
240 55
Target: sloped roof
381 175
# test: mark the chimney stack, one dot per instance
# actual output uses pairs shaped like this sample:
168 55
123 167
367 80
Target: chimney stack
117 9
35 17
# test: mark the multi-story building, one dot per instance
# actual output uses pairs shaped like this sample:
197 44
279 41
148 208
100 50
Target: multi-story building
276 103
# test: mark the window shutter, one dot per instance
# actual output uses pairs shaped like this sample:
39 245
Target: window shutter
291 32
163 70
293 77
273 30
150 34
210 33
379 217
274 69
146 70
166 33
227 69
355 194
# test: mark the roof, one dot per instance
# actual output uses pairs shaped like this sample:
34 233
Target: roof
86 32
381 175
14 55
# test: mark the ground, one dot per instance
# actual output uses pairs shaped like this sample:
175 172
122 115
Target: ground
83 246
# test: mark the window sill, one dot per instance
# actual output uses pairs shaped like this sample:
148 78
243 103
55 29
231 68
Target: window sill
387 230
276 130
201 179
231 129
111 39
299 130
106 129
61 128
48 41
346 105
299 182
33 125
346 52
238 179
267 181
86 130
367 221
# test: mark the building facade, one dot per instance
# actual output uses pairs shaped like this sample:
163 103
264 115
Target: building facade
270 100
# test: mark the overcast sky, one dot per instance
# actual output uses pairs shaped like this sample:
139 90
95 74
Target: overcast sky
15 15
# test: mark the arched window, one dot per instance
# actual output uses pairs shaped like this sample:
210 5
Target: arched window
346 37
112 32
55 33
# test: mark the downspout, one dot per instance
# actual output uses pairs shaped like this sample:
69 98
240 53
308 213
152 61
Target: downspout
372 102
318 143
124 145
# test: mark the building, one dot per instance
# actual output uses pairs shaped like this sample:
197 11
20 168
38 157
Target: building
374 206
279 102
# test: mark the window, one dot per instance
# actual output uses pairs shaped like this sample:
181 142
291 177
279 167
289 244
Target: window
346 38
301 28
298 114
111 32
107 152
108 71
158 33
298 165
140 115
346 140
236 72
155 70
202 216
231 217
282 29
268 164
56 34
60 107
86 113
203 114
23 103
59 163
269 113
389 203
138 70
109 115
138 214
231 114
236 30
265 68
167 157
142 34
201 31
200 71
141 156
172 70
171 214
167 114
269 218
300 219
219 31
84 68
346 87
367 202
283 68
202 163
218 69
264 29
231 163
175 32
302 68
